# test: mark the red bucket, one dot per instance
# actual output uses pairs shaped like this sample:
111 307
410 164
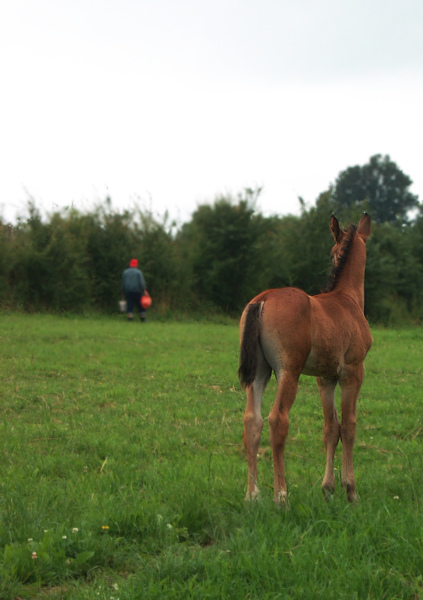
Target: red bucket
146 300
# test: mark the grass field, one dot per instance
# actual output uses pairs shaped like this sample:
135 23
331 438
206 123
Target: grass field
122 471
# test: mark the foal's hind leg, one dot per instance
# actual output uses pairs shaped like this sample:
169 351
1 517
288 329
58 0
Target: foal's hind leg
253 424
331 430
279 425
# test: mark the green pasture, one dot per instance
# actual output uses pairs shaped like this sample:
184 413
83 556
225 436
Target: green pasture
122 470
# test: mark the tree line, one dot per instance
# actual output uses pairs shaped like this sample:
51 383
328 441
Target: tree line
221 258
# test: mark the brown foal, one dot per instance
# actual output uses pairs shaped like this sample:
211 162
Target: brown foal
325 336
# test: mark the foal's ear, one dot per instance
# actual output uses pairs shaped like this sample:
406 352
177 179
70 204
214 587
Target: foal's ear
364 227
335 229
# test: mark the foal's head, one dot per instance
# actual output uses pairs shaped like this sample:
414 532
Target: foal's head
344 241
344 236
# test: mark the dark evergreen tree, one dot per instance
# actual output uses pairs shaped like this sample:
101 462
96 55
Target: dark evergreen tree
379 187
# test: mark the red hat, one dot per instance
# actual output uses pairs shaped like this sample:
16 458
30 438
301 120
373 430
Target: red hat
133 262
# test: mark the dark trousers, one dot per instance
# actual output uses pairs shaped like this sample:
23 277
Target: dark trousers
134 299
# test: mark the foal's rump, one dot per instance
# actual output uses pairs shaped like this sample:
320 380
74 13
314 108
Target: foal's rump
276 325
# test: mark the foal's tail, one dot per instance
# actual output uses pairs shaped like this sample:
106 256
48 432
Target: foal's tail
250 337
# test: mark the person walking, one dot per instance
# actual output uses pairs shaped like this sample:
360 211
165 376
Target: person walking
133 288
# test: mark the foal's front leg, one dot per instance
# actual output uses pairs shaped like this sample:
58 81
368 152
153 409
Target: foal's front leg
350 386
331 430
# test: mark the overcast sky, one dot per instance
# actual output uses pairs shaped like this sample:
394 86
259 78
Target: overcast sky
169 103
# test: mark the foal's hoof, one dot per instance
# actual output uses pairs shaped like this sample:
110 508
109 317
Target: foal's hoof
328 491
281 498
352 497
351 493
251 496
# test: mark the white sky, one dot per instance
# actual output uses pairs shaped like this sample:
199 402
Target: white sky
169 103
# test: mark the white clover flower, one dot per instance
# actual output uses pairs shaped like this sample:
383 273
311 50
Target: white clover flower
75 530
30 540
34 555
64 537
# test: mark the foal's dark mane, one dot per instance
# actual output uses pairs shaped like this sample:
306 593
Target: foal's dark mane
336 272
